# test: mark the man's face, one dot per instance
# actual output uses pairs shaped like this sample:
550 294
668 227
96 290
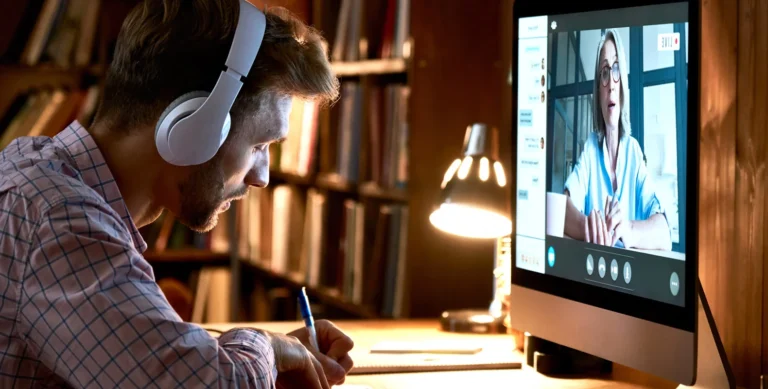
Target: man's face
241 162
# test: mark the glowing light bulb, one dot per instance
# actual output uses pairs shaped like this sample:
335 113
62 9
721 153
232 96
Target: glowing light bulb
450 172
469 221
484 170
500 177
464 168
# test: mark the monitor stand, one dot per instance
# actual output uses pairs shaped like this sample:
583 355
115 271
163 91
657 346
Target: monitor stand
712 368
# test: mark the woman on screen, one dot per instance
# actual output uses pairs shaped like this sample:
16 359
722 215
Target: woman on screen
611 200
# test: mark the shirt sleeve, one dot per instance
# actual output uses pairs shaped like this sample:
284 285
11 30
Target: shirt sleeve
94 316
577 181
648 203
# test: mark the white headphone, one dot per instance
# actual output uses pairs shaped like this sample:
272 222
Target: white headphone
194 126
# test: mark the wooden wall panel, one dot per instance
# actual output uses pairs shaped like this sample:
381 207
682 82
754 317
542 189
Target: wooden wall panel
717 170
733 181
457 77
750 187
753 39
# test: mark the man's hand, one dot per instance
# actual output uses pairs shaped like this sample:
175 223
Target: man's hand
333 355
296 366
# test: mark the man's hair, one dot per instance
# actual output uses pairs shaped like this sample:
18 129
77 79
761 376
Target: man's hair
167 48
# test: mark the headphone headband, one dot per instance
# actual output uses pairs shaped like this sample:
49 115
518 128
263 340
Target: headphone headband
249 34
192 128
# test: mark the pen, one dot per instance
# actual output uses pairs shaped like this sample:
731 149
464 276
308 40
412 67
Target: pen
309 321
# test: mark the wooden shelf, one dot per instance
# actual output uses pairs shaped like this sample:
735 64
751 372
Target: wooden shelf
49 70
182 256
372 190
289 178
334 182
371 66
327 296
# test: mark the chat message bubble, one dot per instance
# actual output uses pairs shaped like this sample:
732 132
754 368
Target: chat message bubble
526 118
533 143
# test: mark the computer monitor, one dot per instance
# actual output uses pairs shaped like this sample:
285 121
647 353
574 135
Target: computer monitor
605 101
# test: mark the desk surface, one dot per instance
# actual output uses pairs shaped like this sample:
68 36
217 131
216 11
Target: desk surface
366 333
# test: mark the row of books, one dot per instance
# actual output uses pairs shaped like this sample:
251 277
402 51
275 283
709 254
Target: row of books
389 43
329 242
375 139
298 153
46 112
60 32
355 250
208 287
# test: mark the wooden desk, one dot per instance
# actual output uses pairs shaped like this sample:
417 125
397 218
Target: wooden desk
366 333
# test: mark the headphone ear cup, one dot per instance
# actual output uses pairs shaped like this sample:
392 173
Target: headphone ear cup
178 109
180 115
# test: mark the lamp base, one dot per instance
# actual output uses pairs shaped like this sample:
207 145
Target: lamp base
475 321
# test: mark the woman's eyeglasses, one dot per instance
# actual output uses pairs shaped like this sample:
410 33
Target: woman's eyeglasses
614 72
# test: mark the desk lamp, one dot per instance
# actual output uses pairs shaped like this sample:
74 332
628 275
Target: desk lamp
474 204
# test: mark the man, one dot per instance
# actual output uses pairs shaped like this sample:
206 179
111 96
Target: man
80 306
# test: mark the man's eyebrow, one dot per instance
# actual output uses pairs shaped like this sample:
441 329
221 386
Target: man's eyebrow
268 140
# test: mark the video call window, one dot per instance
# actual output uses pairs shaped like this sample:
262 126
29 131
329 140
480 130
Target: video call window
652 174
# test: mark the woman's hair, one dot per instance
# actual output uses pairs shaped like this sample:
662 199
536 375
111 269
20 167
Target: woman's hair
167 48
597 113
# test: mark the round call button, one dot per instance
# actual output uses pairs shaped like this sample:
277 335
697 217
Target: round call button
627 272
601 267
614 270
674 284
551 256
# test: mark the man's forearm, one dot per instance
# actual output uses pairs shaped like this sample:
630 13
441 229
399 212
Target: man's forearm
246 360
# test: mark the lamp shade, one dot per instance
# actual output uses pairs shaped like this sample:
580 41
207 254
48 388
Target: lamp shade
473 197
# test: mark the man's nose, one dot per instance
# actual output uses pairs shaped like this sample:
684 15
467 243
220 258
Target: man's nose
258 177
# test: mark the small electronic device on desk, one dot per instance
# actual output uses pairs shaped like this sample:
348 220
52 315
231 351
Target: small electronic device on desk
472 321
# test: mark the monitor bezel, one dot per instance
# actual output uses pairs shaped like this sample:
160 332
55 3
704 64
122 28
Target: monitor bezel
683 318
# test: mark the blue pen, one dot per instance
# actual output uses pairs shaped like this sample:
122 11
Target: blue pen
309 321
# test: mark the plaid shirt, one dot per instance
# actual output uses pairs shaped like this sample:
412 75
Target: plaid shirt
80 306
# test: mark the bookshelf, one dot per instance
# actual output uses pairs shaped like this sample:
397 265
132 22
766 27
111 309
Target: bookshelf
370 67
187 256
339 184
374 163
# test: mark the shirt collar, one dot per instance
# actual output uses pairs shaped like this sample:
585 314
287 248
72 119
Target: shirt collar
89 161
619 161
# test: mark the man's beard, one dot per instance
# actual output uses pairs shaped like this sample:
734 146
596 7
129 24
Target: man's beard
201 196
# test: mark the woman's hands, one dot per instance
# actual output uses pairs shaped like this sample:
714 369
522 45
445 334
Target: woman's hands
619 227
605 227
595 229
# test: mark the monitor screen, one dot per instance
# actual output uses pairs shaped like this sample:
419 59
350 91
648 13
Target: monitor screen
601 149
